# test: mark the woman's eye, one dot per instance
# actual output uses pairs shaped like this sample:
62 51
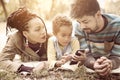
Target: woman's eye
37 30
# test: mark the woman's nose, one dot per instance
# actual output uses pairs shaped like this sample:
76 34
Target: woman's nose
42 31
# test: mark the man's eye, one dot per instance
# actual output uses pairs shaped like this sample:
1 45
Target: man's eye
86 22
78 21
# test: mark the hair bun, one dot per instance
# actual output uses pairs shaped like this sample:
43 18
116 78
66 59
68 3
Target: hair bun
19 18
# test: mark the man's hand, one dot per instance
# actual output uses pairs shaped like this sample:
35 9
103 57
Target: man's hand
103 66
80 58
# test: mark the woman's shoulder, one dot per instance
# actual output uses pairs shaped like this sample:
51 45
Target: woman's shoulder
14 40
14 34
16 37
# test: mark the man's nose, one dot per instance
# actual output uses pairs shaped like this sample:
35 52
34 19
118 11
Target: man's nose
83 26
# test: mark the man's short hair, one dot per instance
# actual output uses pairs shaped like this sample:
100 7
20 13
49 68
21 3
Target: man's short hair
80 8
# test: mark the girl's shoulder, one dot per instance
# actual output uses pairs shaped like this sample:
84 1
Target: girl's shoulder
53 38
74 38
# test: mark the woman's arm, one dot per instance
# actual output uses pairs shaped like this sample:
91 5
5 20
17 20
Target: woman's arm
7 55
51 53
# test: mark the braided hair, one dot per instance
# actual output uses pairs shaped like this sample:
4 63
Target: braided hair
19 19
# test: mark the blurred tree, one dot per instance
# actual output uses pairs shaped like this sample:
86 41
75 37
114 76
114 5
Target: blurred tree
4 8
22 2
112 6
58 6
47 9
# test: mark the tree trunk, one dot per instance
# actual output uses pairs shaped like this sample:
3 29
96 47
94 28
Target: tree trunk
4 8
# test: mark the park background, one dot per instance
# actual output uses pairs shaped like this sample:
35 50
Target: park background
46 9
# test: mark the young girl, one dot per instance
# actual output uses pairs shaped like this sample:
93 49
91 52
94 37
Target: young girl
62 45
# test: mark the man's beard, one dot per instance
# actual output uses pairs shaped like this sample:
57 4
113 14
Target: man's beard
90 31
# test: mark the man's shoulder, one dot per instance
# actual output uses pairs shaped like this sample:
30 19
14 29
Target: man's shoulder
112 17
113 21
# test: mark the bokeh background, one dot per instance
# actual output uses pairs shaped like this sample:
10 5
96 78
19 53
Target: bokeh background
46 9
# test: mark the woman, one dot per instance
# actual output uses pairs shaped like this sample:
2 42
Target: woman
28 42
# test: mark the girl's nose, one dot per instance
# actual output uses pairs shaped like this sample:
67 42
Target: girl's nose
67 38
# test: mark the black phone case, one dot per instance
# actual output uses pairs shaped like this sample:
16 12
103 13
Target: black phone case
78 54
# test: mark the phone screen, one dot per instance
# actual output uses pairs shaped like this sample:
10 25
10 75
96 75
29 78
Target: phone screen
77 52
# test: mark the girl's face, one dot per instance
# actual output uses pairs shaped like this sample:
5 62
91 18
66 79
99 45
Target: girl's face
36 32
64 35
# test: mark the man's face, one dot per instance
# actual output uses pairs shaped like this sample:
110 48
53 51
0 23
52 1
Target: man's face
89 24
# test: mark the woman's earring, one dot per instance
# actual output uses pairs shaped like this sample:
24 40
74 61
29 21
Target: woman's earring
26 43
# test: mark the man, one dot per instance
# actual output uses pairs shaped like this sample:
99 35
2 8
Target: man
100 33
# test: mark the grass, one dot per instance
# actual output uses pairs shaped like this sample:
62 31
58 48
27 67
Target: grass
79 74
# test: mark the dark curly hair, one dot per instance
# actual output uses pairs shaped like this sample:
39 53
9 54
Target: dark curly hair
19 18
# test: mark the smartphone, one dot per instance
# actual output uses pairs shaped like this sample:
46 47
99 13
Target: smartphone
78 54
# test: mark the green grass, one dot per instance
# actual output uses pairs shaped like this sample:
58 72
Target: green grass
79 74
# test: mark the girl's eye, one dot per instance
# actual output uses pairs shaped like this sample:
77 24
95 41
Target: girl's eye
69 36
63 35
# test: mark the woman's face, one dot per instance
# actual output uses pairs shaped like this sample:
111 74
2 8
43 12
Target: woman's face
36 32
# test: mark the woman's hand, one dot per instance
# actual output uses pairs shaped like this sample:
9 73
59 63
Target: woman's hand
39 67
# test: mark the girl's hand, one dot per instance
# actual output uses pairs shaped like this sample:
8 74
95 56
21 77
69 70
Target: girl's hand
67 57
60 62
